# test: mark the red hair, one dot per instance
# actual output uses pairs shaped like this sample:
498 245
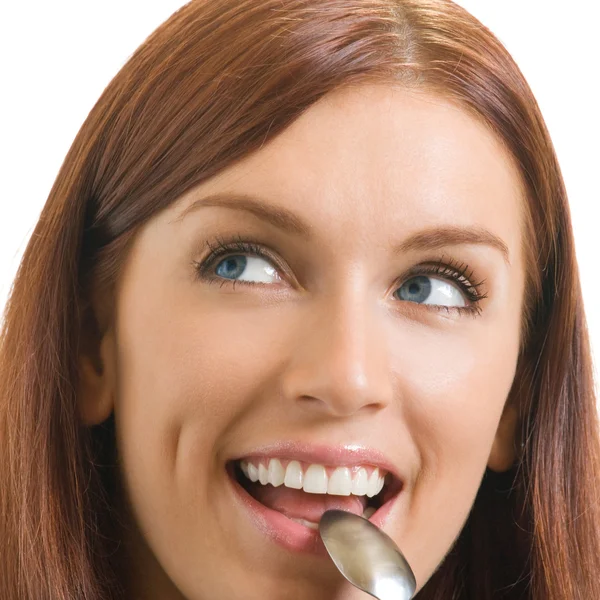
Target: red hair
211 85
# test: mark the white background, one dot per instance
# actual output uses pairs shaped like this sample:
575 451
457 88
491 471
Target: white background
57 56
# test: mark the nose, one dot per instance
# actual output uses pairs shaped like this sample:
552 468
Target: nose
340 363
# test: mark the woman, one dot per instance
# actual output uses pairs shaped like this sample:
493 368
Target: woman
302 255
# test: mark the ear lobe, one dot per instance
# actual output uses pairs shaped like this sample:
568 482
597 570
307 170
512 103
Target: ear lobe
504 449
96 389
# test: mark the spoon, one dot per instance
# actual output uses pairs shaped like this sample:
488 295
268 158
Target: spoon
366 556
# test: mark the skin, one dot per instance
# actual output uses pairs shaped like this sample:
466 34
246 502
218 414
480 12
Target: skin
198 372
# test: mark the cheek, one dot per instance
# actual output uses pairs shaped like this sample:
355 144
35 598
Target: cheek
461 389
454 397
187 379
186 375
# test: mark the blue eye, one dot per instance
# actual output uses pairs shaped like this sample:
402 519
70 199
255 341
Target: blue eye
430 290
232 267
247 268
448 284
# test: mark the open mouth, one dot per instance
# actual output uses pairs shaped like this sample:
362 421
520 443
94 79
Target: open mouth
302 491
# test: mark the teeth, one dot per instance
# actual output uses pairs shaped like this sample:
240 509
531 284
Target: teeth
360 483
340 482
369 512
315 479
306 523
252 472
293 475
263 474
276 473
375 484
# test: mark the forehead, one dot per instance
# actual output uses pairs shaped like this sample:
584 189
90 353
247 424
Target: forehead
378 153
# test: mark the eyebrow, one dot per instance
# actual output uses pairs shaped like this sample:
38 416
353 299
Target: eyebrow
284 219
439 237
280 217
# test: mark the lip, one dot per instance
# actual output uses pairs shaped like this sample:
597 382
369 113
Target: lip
292 535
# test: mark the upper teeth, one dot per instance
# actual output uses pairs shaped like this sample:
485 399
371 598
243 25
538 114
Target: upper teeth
314 479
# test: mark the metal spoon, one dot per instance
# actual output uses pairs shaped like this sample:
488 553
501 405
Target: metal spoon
366 556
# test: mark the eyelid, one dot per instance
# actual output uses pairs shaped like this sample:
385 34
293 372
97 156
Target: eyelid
452 271
458 274
221 248
444 268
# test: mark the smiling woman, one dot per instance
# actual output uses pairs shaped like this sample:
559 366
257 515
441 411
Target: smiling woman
301 256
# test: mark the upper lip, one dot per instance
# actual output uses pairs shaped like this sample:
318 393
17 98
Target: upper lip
327 455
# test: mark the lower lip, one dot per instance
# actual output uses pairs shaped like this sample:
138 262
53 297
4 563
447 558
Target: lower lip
289 534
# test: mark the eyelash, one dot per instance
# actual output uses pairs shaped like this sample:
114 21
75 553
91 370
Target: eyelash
446 268
458 273
221 248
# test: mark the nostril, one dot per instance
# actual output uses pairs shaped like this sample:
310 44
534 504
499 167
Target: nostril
338 406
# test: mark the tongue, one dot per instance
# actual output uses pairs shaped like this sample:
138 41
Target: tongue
299 504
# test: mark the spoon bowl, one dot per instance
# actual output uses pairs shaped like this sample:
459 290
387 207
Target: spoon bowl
366 556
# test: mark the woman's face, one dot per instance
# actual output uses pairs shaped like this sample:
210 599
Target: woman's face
346 298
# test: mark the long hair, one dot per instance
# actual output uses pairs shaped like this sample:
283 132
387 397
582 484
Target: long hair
211 85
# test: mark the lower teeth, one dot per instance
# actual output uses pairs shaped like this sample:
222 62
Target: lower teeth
308 524
367 514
